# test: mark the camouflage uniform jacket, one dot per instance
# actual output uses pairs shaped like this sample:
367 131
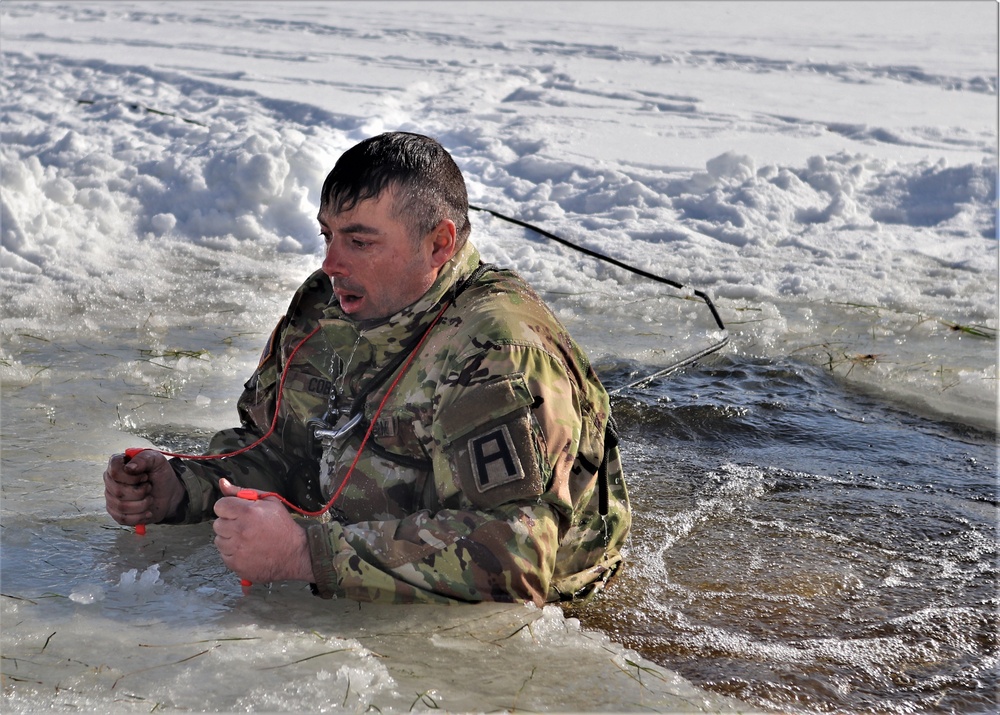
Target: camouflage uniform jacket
485 476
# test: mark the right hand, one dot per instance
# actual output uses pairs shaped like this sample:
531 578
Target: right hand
146 490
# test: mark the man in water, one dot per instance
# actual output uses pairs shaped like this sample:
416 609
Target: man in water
461 435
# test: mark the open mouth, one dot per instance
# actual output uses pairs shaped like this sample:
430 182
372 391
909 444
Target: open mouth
349 301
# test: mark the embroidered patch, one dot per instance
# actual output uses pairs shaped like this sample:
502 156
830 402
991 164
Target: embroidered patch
495 449
494 459
306 382
386 427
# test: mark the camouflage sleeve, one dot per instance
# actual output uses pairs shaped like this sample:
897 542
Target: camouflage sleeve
283 463
504 443
262 468
448 556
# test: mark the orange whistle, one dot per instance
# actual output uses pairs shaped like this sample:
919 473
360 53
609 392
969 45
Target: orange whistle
140 529
249 495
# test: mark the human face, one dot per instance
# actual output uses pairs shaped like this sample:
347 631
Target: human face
376 267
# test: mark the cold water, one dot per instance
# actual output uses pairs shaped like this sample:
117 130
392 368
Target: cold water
807 547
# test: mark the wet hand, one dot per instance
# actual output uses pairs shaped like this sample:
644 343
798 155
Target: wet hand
145 490
259 540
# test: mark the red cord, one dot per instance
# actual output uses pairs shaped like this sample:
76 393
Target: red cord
131 452
253 494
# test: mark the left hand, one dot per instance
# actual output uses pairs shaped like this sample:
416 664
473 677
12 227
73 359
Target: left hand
259 540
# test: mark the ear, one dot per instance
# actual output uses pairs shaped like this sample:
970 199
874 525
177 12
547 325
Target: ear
442 242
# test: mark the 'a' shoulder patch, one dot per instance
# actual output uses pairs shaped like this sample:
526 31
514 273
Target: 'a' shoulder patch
499 463
495 461
494 448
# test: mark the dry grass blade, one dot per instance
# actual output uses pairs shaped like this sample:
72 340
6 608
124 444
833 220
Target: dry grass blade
162 665
303 660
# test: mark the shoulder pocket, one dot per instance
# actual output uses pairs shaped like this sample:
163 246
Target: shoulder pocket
493 444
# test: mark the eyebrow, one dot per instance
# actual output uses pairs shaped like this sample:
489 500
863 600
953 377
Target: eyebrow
353 228
360 228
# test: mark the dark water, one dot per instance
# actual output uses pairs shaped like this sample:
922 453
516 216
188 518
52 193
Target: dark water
806 548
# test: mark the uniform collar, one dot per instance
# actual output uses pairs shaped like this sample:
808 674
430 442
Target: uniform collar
387 337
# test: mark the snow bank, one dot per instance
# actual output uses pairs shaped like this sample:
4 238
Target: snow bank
92 188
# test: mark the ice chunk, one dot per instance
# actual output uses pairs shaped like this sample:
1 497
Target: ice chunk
87 594
132 584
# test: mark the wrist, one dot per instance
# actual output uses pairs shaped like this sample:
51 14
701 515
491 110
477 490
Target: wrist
301 563
324 581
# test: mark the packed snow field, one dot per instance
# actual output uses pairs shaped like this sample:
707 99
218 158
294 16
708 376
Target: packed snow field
826 171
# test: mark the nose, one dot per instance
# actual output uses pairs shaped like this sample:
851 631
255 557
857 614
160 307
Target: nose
331 261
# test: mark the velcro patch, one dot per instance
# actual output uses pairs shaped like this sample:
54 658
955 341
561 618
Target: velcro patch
494 459
306 382
386 428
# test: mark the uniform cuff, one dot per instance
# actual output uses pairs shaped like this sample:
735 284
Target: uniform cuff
184 514
321 552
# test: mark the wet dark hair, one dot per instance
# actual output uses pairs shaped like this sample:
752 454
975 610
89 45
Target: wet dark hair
427 183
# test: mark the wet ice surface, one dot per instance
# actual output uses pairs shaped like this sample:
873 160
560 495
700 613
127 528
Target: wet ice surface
190 639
